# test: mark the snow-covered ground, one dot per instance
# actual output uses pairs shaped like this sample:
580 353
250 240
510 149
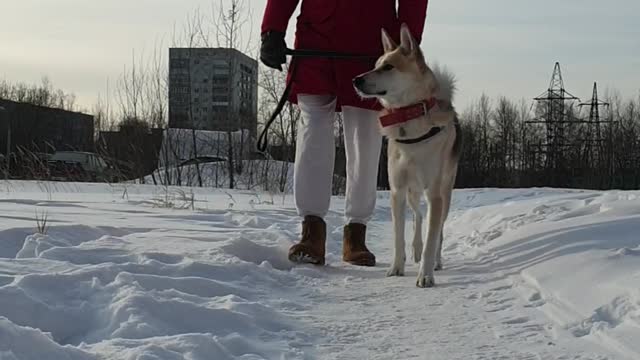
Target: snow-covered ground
142 272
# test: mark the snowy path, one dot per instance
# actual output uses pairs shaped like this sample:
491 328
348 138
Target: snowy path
474 313
529 274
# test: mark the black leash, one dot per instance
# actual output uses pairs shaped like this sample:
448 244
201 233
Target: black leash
300 53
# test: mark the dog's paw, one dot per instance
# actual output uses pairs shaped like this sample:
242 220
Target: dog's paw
425 279
395 270
425 282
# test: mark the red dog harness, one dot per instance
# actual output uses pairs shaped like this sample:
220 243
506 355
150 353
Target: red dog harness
406 113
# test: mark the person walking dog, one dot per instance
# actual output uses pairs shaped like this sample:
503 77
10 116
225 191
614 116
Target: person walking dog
323 86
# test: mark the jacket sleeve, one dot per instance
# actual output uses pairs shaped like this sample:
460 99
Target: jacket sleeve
277 14
414 14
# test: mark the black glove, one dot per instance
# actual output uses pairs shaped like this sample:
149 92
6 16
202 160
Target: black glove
273 49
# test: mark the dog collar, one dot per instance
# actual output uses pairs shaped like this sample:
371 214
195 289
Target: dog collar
431 133
406 113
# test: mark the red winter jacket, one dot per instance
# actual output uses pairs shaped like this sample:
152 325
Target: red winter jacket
350 26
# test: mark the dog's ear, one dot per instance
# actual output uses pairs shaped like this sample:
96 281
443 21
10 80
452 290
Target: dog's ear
407 42
387 42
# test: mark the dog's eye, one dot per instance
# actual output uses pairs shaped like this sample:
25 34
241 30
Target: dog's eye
387 67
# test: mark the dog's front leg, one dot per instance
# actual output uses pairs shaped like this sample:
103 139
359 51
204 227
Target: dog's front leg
398 201
427 264
416 245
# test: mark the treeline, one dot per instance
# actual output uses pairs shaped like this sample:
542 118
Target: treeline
505 146
43 94
502 147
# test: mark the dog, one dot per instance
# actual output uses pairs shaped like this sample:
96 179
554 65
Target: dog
425 142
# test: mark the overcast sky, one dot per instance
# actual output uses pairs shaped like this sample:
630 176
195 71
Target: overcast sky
500 47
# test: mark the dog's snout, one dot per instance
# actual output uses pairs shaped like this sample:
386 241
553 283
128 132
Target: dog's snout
358 81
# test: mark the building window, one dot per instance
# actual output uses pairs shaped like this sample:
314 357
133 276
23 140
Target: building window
220 91
219 109
180 89
220 80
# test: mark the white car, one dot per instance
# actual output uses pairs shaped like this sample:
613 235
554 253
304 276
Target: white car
78 166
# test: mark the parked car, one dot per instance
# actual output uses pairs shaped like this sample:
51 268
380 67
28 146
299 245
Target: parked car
80 166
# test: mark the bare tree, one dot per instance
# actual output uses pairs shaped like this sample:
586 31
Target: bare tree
229 18
42 95
227 21
157 86
130 87
283 133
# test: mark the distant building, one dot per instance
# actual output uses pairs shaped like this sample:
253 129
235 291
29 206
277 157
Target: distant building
212 89
32 128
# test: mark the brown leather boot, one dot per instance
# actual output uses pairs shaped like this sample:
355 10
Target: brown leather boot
311 247
354 250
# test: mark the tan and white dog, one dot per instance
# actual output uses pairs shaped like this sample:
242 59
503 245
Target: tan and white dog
424 145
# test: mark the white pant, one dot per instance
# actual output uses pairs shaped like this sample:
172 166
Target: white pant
315 155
